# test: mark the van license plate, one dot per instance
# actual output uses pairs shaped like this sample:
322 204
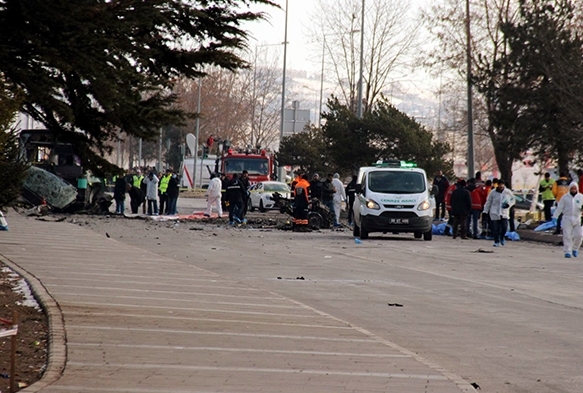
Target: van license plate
398 221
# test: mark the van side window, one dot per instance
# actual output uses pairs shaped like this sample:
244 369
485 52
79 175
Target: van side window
363 184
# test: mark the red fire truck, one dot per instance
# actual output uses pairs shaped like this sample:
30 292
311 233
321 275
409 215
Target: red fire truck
257 162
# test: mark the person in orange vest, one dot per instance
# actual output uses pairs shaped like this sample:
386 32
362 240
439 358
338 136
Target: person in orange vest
301 194
560 188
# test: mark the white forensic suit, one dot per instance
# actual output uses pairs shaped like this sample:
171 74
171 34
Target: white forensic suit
339 196
214 196
571 207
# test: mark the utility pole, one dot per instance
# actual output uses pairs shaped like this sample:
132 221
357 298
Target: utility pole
322 82
281 175
197 135
471 170
359 104
160 152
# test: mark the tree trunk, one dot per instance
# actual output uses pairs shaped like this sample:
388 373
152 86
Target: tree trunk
563 158
504 163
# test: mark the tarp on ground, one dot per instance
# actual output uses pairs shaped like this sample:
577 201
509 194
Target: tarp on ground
513 236
438 229
193 216
57 192
546 226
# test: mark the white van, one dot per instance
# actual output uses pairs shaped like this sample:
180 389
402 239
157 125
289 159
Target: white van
393 196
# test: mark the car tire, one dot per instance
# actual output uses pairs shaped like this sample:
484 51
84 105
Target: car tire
355 230
363 232
418 235
261 207
428 235
315 220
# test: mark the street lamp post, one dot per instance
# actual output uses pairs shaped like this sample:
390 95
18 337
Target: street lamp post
469 83
281 170
322 82
359 105
197 135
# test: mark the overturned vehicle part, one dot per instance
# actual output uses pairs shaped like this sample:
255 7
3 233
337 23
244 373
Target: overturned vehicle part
41 184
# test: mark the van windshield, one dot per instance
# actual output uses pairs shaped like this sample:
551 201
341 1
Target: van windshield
396 182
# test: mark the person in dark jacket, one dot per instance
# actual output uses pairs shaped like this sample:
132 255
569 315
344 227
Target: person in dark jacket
316 187
246 185
137 197
144 188
328 192
224 183
235 198
119 194
442 185
461 206
172 193
351 196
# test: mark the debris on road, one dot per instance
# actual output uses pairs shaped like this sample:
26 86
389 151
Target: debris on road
484 251
395 305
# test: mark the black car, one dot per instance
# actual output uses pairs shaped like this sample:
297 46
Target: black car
523 202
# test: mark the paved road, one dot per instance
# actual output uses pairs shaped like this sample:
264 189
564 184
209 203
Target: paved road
509 321
124 319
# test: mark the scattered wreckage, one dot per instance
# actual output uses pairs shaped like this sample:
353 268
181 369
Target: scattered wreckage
319 216
56 178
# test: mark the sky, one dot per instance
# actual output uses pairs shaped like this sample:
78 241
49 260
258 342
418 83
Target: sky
305 55
302 53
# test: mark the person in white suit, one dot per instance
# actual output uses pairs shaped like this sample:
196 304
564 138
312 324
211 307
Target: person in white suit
213 195
570 206
339 197
498 205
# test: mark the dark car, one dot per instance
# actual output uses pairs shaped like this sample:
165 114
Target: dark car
523 202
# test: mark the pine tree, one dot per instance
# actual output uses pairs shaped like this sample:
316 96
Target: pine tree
89 69
12 170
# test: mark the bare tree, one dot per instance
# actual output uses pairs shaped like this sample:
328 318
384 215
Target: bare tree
389 41
265 99
446 21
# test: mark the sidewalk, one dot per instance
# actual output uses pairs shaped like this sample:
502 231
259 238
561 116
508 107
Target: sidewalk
126 320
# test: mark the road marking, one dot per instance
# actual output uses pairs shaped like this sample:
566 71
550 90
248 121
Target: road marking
424 377
208 320
80 272
151 283
218 349
168 292
109 305
179 300
127 390
206 333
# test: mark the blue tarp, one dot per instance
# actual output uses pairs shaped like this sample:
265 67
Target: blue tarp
513 236
438 229
546 226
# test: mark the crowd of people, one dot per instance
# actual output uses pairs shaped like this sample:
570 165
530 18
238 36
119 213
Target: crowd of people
475 208
330 192
486 209
146 191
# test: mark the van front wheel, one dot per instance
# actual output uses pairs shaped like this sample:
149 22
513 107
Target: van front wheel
356 230
363 232
428 235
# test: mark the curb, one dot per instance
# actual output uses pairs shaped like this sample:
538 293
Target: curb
57 348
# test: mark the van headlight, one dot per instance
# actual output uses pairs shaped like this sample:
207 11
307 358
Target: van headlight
372 205
425 205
